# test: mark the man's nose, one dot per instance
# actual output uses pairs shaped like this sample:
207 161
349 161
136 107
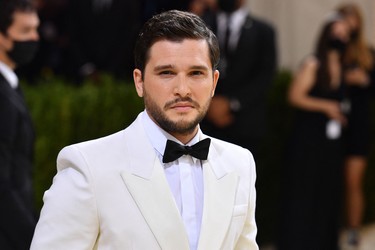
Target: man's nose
182 87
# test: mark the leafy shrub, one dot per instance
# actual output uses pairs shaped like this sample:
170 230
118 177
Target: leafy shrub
64 114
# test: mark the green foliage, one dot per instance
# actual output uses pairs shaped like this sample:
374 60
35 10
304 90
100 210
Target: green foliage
64 114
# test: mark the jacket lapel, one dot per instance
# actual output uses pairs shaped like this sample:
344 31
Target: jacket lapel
12 95
16 98
219 194
149 188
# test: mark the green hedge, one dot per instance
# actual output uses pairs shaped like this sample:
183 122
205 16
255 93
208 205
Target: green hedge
64 114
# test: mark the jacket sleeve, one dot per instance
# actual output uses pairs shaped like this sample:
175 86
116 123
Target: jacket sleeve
68 219
247 239
17 222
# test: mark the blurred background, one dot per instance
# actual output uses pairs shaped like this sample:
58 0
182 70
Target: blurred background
298 24
79 86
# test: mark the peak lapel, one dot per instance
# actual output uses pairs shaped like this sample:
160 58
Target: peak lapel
156 203
149 188
219 194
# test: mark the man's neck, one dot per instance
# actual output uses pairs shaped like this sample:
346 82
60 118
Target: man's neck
185 138
7 61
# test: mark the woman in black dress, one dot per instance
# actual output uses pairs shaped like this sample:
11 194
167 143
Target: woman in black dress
358 63
313 170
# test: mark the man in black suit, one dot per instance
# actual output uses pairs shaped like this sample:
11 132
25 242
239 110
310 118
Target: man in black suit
18 44
247 68
238 110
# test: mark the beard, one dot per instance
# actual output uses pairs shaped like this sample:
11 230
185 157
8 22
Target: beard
182 126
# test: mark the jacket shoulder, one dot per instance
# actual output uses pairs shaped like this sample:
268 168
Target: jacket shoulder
227 148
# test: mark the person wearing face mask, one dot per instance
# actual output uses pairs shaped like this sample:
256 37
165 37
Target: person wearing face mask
312 173
247 67
238 111
358 69
18 44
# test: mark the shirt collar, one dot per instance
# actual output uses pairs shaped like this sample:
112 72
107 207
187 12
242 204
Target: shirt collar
9 75
158 137
239 16
236 18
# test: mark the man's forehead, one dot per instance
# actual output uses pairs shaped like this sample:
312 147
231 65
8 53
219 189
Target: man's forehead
169 44
25 16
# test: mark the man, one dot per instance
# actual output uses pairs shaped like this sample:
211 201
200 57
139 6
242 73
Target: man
238 111
247 68
128 190
18 44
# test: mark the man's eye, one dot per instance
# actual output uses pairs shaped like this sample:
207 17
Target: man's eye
197 73
166 72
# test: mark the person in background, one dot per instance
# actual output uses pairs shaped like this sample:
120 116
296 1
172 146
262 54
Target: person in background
312 174
202 7
247 66
358 64
18 44
238 111
160 183
50 59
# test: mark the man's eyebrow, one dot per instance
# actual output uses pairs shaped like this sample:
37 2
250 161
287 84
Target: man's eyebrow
163 67
170 66
199 67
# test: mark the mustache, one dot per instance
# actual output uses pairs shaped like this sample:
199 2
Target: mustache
182 99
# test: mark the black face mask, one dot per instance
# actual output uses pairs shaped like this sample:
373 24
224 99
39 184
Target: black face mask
337 44
354 35
23 51
227 5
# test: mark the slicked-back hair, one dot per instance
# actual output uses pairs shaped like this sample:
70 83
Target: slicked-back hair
174 26
7 10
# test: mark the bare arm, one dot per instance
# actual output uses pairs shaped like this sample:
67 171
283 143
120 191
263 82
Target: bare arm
299 93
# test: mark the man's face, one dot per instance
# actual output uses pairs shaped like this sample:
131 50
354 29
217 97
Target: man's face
177 85
23 28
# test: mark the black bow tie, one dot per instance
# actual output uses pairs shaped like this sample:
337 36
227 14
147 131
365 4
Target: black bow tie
174 150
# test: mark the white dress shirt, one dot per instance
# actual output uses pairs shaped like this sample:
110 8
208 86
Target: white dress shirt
9 75
236 21
185 178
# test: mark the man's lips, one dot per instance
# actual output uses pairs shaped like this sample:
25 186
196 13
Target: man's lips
183 106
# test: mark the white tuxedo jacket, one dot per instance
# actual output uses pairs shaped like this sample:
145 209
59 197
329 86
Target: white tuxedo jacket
112 194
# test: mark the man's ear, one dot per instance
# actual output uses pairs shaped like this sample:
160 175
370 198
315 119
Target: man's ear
216 78
138 82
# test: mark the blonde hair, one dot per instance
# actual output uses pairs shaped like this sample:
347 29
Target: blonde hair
358 51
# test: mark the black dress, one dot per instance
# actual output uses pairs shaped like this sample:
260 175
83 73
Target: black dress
359 122
312 180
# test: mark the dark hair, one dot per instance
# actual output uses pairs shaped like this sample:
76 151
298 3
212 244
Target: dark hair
176 26
358 52
323 46
8 8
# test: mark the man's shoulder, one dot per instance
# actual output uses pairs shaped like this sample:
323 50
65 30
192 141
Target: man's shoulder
231 157
99 144
222 143
108 142
228 148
